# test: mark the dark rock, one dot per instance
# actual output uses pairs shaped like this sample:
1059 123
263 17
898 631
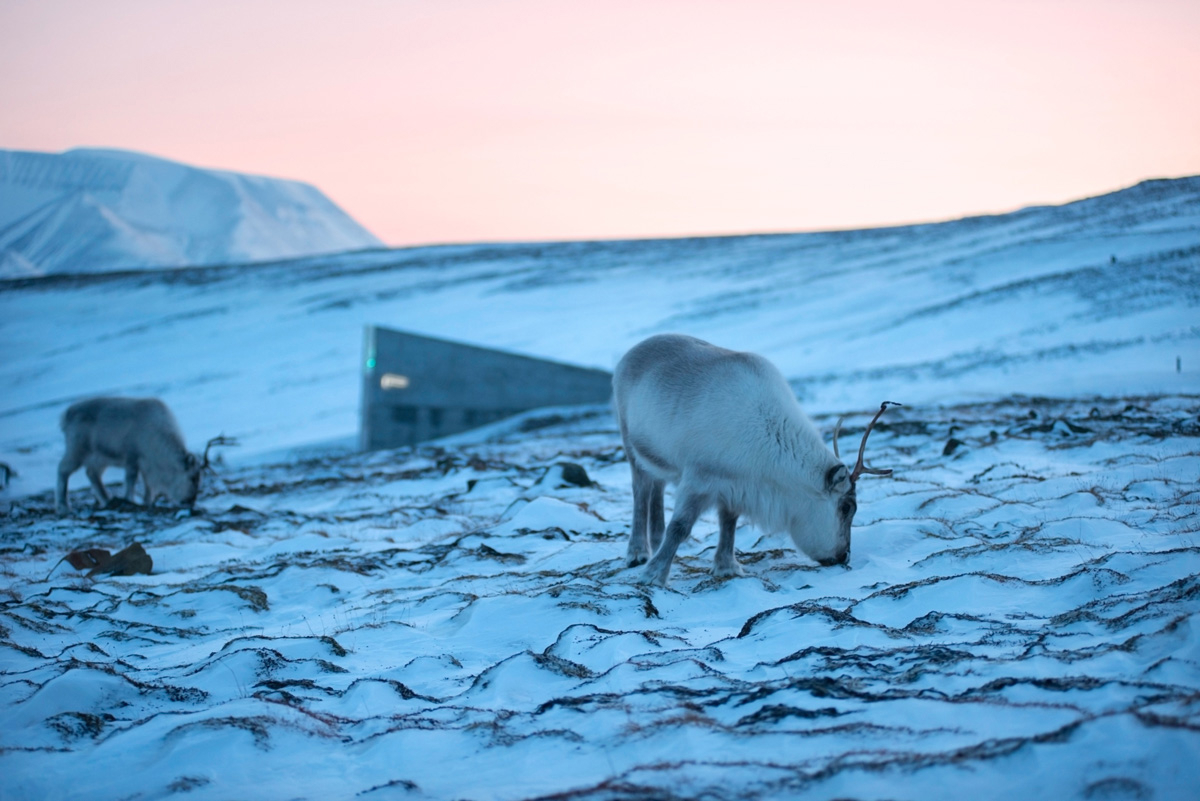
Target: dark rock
575 474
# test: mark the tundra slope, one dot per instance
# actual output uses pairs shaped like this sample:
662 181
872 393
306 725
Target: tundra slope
1019 618
972 309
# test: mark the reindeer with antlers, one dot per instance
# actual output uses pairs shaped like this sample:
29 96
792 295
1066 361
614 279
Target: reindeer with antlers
138 434
725 428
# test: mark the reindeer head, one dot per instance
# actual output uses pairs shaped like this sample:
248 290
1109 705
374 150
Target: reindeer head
840 488
185 486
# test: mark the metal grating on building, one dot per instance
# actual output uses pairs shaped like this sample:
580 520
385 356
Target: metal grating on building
418 388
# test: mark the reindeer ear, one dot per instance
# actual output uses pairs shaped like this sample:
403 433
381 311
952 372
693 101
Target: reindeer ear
837 480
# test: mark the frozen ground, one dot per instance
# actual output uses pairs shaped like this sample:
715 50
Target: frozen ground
1019 620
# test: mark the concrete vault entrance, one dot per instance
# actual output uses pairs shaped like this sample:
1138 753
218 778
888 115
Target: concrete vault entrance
417 388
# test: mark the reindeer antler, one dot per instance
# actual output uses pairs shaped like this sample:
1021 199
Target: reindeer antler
221 440
859 468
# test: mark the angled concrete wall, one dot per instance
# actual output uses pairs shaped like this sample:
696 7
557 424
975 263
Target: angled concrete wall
418 388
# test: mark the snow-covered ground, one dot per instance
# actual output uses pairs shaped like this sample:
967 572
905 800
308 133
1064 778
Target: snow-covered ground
1019 616
1019 620
91 210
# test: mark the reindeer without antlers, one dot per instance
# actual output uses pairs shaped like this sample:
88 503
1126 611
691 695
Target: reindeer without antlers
724 427
139 435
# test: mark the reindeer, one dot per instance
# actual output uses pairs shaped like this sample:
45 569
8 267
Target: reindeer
726 430
138 434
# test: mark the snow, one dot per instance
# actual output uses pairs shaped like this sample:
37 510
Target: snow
1019 616
91 210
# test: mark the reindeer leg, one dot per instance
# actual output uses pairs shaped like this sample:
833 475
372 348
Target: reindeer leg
95 474
725 563
71 462
688 508
657 519
131 477
643 487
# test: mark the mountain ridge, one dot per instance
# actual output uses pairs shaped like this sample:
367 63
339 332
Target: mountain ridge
1174 193
95 210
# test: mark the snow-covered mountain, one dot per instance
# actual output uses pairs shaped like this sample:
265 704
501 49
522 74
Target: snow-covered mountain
87 211
1020 616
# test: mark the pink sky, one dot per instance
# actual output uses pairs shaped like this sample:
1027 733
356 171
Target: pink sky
467 120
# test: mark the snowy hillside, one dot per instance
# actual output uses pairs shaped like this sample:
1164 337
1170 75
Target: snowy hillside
1020 616
1031 302
87 211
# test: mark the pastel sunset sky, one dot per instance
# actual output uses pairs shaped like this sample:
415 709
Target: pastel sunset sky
470 120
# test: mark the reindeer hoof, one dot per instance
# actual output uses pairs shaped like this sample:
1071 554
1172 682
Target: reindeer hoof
650 578
733 570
